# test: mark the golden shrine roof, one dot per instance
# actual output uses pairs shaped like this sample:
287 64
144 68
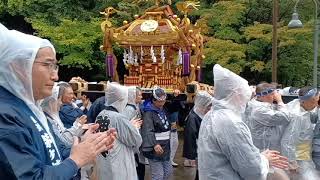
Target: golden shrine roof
153 30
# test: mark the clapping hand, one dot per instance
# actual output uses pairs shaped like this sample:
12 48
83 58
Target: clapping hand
92 144
293 167
82 119
275 159
176 92
136 123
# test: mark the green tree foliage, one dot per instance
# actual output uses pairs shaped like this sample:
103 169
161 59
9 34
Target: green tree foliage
238 34
79 45
226 53
72 25
241 40
296 56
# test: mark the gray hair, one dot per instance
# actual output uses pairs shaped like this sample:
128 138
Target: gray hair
62 88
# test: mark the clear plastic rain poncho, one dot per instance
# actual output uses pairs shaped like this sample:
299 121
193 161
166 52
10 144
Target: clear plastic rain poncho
297 138
316 144
17 55
51 106
202 100
132 95
267 122
119 163
116 96
225 147
131 110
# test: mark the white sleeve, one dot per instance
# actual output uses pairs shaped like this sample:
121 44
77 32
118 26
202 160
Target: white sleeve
265 167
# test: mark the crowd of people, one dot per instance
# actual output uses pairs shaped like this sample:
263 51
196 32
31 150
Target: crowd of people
234 134
29 148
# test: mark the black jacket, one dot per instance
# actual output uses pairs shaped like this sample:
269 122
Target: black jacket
191 134
154 121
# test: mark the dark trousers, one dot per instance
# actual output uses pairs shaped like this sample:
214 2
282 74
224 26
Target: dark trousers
197 175
141 171
141 168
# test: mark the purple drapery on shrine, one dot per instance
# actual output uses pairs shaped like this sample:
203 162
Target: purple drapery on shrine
109 65
185 63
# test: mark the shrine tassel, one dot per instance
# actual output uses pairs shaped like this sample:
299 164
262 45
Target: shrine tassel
109 64
186 63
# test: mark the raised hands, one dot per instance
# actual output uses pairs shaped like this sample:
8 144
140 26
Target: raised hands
277 97
176 92
293 167
82 119
275 159
136 123
92 144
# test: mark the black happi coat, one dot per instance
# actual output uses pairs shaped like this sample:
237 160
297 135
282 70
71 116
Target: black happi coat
191 134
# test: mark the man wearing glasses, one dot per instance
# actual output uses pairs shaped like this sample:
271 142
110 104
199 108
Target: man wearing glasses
28 146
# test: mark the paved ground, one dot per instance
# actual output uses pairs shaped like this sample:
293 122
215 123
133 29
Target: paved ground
181 172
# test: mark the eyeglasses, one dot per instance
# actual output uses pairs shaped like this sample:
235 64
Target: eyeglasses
265 92
50 65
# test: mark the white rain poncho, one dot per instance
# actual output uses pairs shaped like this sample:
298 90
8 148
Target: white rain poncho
296 143
132 95
51 106
316 143
267 122
116 96
132 110
119 163
225 147
202 100
28 149
17 55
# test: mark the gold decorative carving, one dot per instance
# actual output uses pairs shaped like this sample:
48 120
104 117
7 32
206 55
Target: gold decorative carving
154 39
